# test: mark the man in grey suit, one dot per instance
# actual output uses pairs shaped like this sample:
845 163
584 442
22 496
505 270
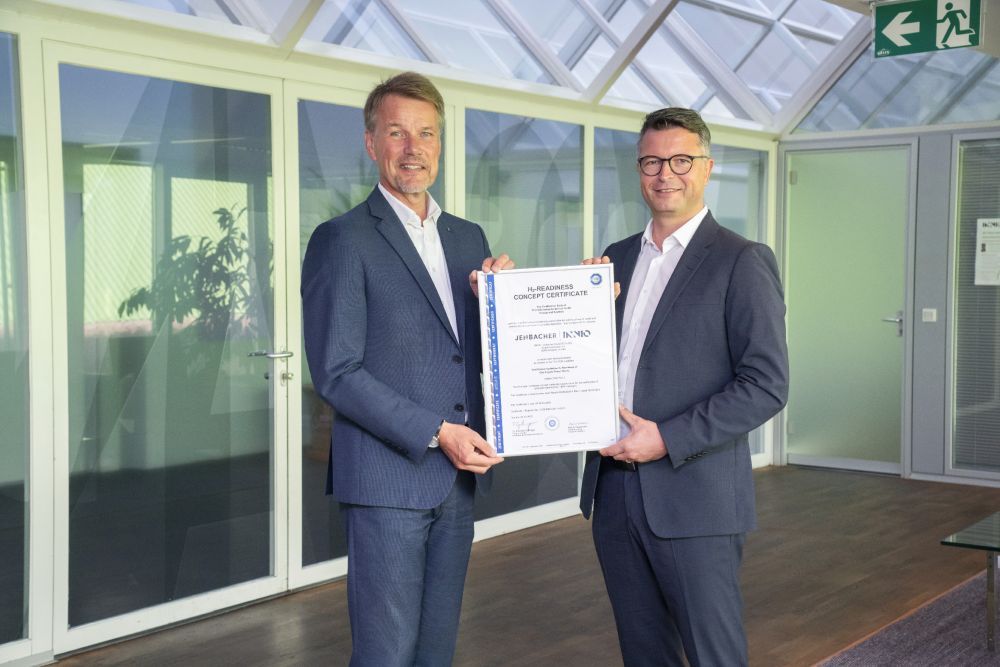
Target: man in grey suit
702 361
391 327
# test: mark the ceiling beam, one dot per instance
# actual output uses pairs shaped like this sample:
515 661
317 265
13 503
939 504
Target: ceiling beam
629 49
431 53
823 77
543 54
727 84
294 23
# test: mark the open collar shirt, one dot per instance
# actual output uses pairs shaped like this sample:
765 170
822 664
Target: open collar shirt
424 234
652 272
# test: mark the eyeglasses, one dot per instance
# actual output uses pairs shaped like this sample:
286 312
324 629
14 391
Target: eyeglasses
680 164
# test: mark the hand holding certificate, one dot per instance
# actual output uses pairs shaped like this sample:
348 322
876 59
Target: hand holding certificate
549 359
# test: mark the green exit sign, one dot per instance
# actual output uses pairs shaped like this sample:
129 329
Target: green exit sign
918 26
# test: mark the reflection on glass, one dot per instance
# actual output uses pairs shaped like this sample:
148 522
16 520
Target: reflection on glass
335 175
169 287
13 358
619 209
735 194
523 185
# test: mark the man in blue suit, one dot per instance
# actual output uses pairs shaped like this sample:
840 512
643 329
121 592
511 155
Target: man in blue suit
702 361
391 327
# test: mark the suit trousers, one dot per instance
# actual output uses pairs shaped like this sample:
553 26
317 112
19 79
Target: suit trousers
670 597
405 576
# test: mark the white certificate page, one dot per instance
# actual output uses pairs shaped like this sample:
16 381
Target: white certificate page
550 374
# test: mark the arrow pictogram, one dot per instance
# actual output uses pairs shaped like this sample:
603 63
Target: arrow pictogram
898 27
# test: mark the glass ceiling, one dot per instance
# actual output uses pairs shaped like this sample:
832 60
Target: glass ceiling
752 63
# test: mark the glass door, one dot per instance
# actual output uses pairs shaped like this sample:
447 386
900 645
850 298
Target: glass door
174 377
13 360
845 219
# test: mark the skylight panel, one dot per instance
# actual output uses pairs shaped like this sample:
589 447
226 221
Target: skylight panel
731 37
622 15
768 49
468 35
361 24
909 91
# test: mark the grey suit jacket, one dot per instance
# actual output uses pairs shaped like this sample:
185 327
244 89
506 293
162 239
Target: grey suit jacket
382 352
713 367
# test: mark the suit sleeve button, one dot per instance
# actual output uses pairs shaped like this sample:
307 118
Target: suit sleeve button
459 407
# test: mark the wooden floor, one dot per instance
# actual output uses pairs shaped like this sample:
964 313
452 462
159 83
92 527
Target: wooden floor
837 556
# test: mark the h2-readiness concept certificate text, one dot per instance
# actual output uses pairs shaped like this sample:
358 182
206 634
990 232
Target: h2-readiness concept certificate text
550 375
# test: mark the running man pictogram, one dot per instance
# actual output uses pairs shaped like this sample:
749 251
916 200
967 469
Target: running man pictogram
954 18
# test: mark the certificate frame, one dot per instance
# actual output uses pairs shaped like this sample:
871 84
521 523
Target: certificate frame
550 359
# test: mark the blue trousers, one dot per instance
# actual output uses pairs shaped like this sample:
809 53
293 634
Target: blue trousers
670 597
405 577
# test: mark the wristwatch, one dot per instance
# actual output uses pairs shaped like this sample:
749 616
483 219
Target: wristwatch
434 439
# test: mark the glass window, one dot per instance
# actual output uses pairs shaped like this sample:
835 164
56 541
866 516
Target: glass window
619 209
523 184
335 175
976 312
169 288
13 357
906 91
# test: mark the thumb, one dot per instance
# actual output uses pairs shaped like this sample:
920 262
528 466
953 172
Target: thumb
630 418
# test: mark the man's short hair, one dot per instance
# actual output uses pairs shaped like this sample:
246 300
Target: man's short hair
688 119
407 84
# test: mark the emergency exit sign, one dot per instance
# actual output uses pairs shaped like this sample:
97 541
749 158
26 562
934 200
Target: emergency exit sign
919 26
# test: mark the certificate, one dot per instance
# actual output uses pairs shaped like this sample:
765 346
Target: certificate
550 375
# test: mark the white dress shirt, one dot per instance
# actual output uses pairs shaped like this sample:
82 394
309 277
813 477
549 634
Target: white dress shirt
424 234
652 272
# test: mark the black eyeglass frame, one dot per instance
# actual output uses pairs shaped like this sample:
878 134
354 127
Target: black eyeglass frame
670 162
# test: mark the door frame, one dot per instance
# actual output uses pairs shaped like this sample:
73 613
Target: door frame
64 638
964 475
909 142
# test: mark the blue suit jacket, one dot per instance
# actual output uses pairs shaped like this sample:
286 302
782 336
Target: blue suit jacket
382 352
713 367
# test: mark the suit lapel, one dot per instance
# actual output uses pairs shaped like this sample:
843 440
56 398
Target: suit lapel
390 227
459 282
695 253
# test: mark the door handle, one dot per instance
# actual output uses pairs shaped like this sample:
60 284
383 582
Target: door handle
271 355
897 320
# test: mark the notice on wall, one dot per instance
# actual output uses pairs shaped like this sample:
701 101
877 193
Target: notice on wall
988 251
